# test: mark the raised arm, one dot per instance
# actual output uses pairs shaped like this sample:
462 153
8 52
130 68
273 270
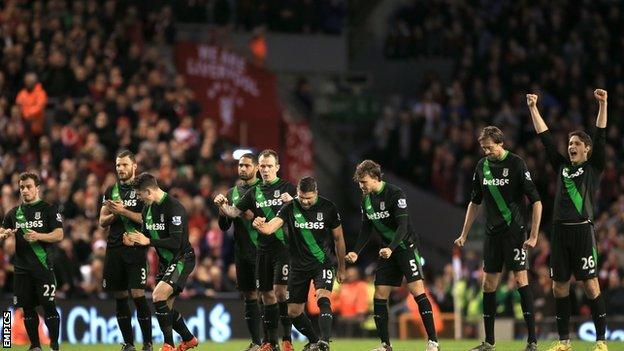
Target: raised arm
555 158
538 122
598 158
601 119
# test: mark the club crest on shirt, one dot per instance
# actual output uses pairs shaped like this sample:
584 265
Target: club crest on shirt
37 215
276 194
59 217
382 205
319 216
402 203
162 217
527 175
505 172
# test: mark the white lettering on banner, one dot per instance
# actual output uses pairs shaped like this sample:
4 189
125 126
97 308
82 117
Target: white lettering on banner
587 332
221 71
220 330
87 326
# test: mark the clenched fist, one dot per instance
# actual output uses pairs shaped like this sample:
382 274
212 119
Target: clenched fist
220 200
531 100
600 95
258 222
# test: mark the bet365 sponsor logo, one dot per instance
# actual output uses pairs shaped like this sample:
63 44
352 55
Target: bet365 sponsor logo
155 226
269 203
566 172
29 224
496 181
378 215
310 225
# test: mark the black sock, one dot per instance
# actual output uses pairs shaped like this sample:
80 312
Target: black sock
180 326
271 321
526 300
381 319
252 317
303 324
599 315
124 320
163 314
562 311
31 322
426 313
285 321
489 315
144 316
325 318
52 321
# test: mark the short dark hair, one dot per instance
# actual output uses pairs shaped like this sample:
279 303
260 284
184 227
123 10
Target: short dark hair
144 181
367 167
127 153
30 175
493 133
307 184
585 138
269 152
252 157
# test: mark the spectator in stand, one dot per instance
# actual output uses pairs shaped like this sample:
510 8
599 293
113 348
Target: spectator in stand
32 101
353 303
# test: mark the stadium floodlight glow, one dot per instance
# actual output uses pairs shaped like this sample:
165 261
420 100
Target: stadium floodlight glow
238 153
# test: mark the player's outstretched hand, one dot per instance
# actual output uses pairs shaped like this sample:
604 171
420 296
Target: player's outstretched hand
531 100
351 257
259 222
459 242
220 200
529 243
386 252
600 95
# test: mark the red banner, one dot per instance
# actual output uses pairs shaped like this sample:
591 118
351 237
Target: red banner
241 97
299 151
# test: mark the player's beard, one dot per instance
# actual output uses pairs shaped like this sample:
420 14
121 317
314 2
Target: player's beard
245 177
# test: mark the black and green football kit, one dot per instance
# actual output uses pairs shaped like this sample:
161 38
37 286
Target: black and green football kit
264 200
34 281
309 244
245 240
502 185
166 224
125 267
386 212
573 243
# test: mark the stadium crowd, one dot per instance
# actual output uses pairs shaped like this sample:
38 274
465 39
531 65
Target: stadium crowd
80 81
501 51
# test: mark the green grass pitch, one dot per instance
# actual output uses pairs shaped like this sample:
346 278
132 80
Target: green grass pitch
356 345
